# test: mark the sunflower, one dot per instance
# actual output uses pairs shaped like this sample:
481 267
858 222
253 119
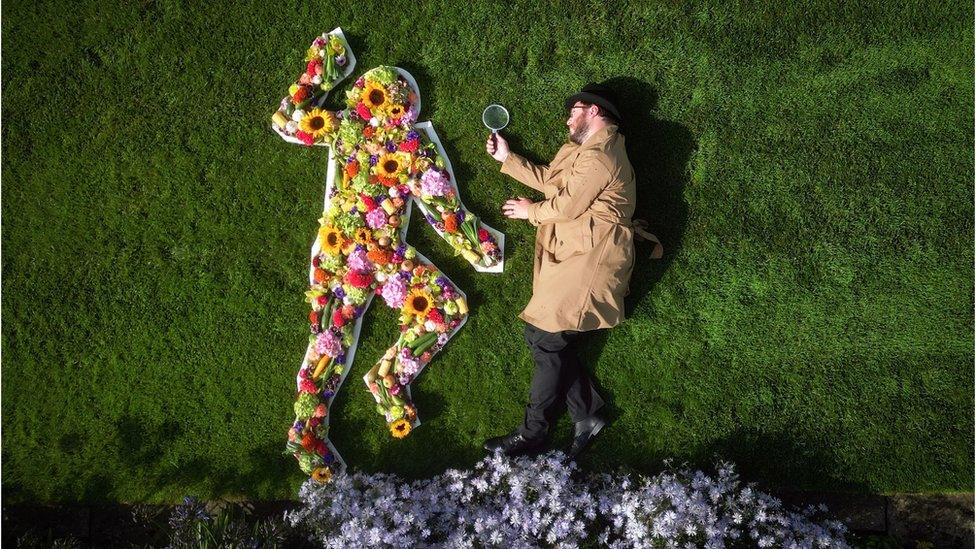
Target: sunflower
400 428
395 110
331 240
374 95
419 303
390 165
322 474
363 236
318 123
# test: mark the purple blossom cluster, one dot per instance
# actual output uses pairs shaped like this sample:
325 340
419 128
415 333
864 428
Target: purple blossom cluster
532 502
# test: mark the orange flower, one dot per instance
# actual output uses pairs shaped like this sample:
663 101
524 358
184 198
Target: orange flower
368 132
379 256
352 169
450 223
320 275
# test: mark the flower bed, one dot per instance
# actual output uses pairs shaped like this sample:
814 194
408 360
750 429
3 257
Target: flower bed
526 502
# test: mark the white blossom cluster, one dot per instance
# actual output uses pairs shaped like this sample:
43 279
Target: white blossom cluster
543 502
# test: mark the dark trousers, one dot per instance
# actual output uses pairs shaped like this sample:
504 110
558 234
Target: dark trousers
559 378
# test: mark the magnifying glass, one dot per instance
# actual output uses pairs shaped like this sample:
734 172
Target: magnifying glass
495 119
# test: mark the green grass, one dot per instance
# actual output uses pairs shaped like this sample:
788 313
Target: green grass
809 169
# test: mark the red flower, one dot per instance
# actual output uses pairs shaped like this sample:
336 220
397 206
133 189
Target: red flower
410 146
370 203
435 315
337 319
483 235
305 137
308 441
359 279
310 68
363 112
301 94
323 300
313 317
321 449
308 386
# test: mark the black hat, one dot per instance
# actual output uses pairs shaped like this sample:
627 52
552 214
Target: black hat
597 94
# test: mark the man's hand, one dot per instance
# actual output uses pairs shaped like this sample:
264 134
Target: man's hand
497 147
517 208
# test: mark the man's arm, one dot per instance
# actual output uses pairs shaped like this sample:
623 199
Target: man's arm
584 183
525 172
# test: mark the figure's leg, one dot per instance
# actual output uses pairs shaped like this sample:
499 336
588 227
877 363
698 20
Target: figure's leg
335 321
432 310
559 377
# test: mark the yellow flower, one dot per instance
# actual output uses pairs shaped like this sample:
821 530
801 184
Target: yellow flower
395 110
318 123
390 165
331 240
364 235
419 302
374 95
400 428
322 474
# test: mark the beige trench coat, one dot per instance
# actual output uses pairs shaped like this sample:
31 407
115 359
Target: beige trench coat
584 247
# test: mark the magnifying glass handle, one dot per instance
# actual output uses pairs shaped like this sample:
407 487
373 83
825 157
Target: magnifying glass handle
494 138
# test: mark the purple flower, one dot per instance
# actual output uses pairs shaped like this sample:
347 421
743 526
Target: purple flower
412 134
373 159
391 146
430 219
299 425
460 216
341 359
341 60
339 292
442 281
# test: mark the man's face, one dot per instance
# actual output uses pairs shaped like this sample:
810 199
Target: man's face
579 121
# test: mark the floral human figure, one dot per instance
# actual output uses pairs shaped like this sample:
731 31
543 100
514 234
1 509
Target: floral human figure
380 162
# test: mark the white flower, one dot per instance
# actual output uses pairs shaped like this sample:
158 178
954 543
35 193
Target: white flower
298 115
291 126
317 79
374 121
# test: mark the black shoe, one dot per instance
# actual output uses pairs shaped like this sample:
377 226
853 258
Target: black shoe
583 434
514 444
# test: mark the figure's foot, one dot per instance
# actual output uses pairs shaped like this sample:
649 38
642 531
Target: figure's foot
514 444
583 434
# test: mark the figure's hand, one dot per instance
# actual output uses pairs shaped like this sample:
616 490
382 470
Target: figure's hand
517 208
497 147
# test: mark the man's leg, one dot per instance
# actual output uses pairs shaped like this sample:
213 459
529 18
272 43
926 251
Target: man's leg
558 377
582 398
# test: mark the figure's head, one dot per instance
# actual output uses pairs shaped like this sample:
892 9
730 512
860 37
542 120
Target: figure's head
589 110
385 93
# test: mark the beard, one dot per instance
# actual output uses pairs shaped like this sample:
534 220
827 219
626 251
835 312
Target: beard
579 135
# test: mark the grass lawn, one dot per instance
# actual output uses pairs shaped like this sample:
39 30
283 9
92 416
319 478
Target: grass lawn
809 170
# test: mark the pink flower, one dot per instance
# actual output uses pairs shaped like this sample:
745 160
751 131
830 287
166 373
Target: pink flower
395 390
376 218
394 292
434 183
374 388
320 410
327 343
357 261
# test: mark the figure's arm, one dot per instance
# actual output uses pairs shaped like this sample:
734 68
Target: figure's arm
299 118
583 184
